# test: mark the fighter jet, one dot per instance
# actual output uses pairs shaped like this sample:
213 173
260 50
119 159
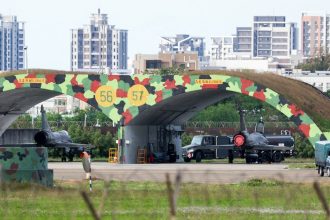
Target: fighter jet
256 145
59 139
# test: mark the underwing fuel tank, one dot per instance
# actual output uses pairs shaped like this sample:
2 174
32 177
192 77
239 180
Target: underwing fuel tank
285 141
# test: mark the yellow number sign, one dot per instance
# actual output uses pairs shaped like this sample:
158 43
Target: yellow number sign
137 95
105 96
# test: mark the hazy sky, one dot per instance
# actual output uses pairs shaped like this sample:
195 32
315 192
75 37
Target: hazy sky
48 23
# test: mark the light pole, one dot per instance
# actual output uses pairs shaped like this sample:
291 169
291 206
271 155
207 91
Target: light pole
85 121
26 60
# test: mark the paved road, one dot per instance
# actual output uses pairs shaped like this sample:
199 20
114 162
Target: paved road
199 173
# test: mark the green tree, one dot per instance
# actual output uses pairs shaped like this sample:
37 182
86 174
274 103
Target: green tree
22 121
321 63
186 139
327 93
227 110
302 146
92 116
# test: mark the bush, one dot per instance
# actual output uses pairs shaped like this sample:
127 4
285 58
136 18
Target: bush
186 139
303 147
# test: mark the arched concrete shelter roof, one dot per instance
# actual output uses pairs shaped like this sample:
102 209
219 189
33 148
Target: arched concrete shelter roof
305 96
291 97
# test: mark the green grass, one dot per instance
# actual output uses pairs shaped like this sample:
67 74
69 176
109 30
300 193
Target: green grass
302 166
299 160
254 199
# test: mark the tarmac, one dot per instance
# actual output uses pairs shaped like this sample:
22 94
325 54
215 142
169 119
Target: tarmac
195 173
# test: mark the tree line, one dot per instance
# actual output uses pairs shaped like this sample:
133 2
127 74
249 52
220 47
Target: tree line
321 63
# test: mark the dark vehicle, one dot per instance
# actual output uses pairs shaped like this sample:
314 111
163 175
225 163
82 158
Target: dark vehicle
322 157
254 147
208 147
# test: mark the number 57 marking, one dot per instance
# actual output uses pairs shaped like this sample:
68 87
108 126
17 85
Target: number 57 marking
137 95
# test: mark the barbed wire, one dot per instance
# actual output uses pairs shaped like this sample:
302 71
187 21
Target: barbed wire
56 124
221 124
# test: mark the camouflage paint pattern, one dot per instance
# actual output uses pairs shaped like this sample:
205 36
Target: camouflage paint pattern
25 165
123 97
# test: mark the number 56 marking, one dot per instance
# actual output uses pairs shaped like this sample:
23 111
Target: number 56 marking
105 96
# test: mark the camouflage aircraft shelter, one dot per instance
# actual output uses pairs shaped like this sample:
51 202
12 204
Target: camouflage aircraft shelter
142 106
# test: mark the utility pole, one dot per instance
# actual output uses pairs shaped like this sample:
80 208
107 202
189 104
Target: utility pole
85 121
26 60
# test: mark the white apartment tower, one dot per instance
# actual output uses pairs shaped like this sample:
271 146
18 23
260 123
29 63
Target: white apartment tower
11 43
183 43
98 45
273 37
223 47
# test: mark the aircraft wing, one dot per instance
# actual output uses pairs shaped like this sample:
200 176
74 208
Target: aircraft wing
19 145
73 145
272 147
61 145
261 147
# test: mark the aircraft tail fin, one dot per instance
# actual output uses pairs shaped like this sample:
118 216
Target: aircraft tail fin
242 120
44 122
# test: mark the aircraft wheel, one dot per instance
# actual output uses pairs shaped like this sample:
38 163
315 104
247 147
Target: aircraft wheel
321 171
247 160
277 157
186 159
198 157
266 157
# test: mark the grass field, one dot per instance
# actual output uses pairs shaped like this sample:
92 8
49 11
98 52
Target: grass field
256 199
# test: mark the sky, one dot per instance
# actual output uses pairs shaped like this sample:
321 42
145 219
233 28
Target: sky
48 22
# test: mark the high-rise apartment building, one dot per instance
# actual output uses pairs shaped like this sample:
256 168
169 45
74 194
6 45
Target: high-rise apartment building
273 36
11 43
222 47
269 36
183 43
315 34
98 45
243 40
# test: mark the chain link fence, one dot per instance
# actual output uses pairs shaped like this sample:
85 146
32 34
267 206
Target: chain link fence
167 195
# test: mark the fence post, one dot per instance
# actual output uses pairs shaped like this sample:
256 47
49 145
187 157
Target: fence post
90 205
322 199
173 193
